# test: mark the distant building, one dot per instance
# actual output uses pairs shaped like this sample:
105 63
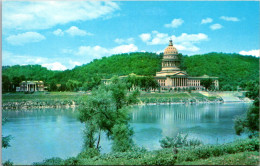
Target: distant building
30 86
171 76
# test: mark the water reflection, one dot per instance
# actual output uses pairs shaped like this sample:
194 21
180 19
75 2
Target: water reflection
211 123
46 133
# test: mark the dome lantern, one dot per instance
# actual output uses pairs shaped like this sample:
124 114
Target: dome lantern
170 50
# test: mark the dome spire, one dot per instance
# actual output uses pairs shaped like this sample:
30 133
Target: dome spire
170 42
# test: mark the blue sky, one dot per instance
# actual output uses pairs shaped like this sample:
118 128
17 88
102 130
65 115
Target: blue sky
61 35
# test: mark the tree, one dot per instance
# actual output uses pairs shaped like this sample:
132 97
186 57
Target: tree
62 87
53 86
16 81
206 83
73 85
252 89
6 83
106 111
5 139
249 122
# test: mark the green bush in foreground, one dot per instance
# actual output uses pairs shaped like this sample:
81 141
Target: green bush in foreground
206 151
158 157
179 141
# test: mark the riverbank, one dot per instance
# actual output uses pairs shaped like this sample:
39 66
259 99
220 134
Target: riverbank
15 101
242 152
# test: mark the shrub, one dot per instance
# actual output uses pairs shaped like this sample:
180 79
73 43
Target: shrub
8 163
72 161
89 153
217 150
159 159
51 161
179 141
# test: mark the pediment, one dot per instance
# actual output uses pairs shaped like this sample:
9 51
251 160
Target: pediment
181 73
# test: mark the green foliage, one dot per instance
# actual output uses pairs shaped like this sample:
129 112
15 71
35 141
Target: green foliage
6 83
53 86
73 85
51 161
139 156
5 139
179 141
72 161
122 138
30 72
243 158
8 163
89 153
250 121
160 159
89 136
206 151
105 111
207 83
252 88
232 69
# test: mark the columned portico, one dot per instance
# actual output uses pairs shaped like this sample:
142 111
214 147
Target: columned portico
171 76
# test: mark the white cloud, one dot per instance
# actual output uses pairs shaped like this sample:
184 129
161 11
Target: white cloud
255 53
95 52
59 63
145 37
160 51
74 63
124 49
54 66
121 41
29 15
184 42
72 58
216 26
72 31
75 31
58 32
23 38
12 59
98 51
235 19
206 20
175 23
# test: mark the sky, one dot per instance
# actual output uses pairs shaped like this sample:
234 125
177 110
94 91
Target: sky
61 35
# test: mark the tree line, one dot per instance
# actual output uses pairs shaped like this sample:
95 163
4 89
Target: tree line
233 70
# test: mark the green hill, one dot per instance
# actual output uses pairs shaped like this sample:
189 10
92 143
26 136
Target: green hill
232 69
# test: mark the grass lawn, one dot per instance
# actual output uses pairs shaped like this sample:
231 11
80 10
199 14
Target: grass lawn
9 97
19 96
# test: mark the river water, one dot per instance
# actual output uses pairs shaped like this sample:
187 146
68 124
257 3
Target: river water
44 133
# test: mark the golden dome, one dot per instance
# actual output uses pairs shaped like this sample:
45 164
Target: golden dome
170 49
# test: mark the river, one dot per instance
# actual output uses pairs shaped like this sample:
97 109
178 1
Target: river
44 133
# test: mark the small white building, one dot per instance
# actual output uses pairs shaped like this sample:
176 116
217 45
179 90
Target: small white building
30 86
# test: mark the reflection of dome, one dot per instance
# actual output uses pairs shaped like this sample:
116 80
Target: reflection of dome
170 49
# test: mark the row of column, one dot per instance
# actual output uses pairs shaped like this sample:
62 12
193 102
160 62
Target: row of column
194 83
166 64
29 87
180 81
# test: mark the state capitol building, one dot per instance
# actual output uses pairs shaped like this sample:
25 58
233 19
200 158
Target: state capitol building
171 76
